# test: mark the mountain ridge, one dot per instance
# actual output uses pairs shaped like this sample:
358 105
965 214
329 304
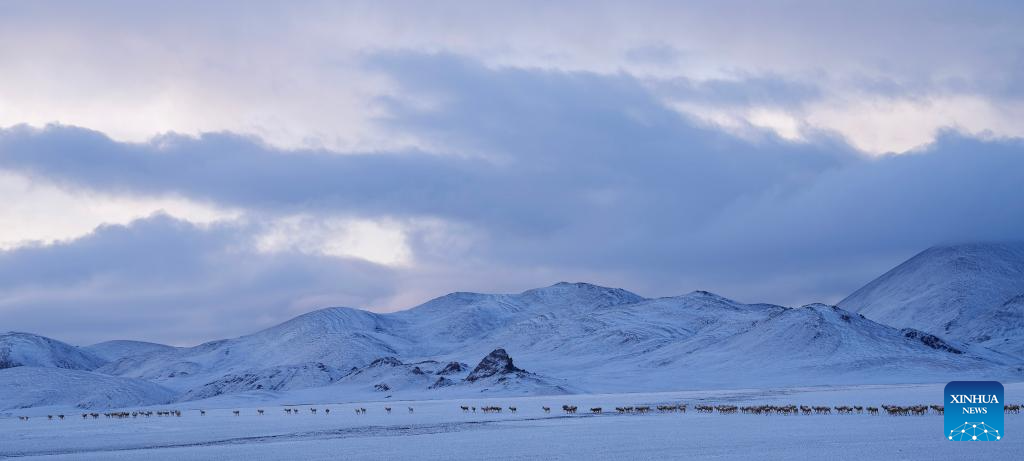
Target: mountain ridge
957 291
573 337
27 349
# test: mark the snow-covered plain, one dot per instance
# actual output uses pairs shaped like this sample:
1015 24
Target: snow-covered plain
439 429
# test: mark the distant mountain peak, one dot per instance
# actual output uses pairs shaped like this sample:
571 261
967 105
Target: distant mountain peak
27 349
706 294
581 285
112 351
708 297
572 292
958 291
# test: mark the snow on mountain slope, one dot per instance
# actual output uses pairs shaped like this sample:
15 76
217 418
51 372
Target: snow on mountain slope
342 338
25 387
495 374
577 336
387 375
337 337
281 378
703 339
621 335
826 343
465 317
116 350
964 292
572 338
1001 329
24 349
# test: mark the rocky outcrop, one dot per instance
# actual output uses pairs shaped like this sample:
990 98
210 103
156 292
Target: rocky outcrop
495 364
441 382
930 340
453 368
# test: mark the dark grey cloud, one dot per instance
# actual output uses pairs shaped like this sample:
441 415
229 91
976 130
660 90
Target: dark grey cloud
573 137
560 175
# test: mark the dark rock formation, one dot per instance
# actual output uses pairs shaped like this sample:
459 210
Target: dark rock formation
441 382
496 363
930 340
452 368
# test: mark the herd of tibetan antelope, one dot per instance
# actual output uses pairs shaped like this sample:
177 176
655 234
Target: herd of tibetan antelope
892 410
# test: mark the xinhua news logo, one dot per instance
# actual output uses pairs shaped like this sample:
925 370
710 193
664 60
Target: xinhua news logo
974 411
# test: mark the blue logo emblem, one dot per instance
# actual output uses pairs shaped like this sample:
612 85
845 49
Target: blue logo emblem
974 411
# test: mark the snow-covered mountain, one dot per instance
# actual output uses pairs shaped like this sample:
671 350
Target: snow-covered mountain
112 351
968 292
345 338
571 337
26 386
462 318
827 341
25 349
337 337
495 373
280 378
702 339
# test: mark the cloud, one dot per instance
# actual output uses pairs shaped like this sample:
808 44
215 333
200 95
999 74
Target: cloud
577 139
163 279
294 75
382 242
35 211
547 175
901 124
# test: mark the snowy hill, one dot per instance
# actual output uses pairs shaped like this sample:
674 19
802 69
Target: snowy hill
572 337
965 292
702 339
494 374
24 349
112 351
387 375
25 387
273 379
820 342
338 337
459 318
345 338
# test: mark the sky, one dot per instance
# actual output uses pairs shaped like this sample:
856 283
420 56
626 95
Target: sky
185 171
